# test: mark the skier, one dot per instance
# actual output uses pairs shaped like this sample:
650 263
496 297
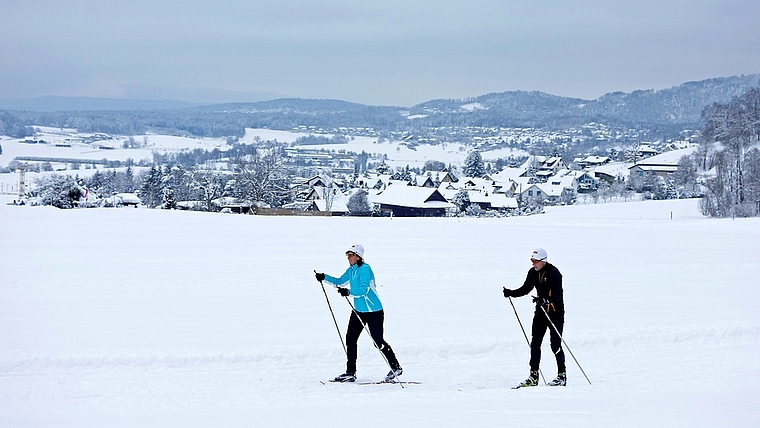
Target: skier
547 280
359 282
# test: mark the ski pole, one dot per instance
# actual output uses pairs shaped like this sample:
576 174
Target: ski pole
526 336
364 325
565 343
333 317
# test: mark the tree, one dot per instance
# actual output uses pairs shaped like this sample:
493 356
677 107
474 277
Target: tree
208 185
383 168
358 204
178 181
461 199
736 126
434 165
60 191
261 176
169 203
473 165
360 162
152 192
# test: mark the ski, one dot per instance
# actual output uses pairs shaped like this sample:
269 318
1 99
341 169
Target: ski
379 382
519 385
324 382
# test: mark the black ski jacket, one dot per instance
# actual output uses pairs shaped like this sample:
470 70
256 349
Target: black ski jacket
548 285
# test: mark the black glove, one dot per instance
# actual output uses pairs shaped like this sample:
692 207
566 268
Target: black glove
345 292
508 292
320 276
540 301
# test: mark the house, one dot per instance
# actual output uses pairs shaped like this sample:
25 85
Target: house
491 201
234 205
531 191
556 194
337 206
425 181
412 201
645 151
593 161
549 193
642 169
580 181
127 199
551 164
445 177
661 165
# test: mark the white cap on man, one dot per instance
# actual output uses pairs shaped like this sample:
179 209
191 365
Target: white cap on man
538 254
356 249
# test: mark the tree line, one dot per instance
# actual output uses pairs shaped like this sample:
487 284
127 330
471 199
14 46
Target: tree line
258 177
730 146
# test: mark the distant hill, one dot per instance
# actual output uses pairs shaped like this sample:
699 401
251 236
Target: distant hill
677 106
656 112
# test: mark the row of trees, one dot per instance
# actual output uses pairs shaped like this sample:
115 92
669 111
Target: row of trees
732 133
258 177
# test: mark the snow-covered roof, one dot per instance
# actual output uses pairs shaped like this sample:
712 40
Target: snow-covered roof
128 198
595 159
671 157
509 173
412 196
338 205
613 169
497 200
661 168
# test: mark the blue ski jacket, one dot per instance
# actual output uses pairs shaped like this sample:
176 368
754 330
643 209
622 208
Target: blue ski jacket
361 282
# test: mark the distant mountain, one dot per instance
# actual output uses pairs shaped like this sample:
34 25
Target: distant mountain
677 106
656 113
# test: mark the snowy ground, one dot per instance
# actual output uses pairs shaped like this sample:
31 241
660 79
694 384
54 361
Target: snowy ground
148 318
400 155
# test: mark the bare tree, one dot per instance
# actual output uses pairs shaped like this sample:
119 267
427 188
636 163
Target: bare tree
736 126
261 176
209 185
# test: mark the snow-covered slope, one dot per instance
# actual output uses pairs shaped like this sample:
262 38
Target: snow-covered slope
149 318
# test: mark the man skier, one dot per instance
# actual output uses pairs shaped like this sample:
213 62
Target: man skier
547 280
359 282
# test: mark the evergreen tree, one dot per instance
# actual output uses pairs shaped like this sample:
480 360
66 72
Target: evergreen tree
169 203
383 168
358 204
151 192
473 165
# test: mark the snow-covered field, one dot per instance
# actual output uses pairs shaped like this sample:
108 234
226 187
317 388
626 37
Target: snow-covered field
400 155
56 141
149 318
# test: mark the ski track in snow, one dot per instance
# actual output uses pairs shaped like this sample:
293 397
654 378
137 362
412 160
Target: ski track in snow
153 318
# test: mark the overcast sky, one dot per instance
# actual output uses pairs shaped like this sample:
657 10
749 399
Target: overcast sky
383 52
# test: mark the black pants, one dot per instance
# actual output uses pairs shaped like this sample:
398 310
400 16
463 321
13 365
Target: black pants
374 322
540 325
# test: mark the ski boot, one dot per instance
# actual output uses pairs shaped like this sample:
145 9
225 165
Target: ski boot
532 380
561 380
346 377
393 374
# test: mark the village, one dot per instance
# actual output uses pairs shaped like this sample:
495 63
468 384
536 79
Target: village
332 179
539 181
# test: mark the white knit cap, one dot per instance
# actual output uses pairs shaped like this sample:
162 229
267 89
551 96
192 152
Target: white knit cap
538 254
356 249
